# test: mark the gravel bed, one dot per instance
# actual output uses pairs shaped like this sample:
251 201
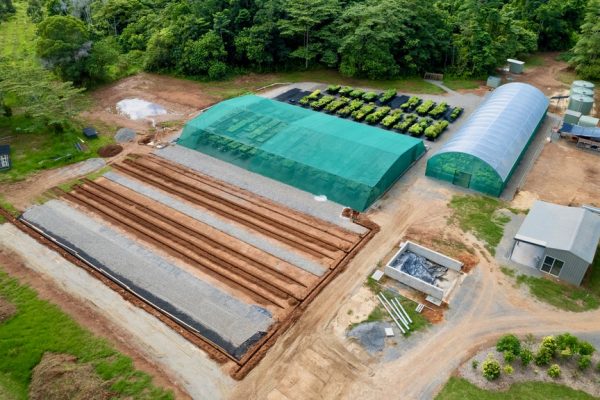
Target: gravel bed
231 229
223 319
289 196
371 336
124 135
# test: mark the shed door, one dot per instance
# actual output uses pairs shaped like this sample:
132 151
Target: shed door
461 179
527 254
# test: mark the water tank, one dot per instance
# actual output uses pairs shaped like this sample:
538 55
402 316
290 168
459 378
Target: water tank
581 103
582 90
583 84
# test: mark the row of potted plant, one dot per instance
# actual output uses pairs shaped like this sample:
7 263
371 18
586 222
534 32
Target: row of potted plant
352 106
406 122
418 128
310 98
362 112
436 129
411 103
424 108
377 115
358 93
322 102
392 118
456 113
438 110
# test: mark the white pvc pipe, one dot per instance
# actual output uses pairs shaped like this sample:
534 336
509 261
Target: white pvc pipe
391 315
398 313
404 311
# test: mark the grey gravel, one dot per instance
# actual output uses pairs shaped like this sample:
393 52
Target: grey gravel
218 223
233 321
124 135
279 192
371 336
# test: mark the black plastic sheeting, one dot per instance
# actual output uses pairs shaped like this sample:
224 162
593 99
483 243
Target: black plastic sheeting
292 96
209 334
419 267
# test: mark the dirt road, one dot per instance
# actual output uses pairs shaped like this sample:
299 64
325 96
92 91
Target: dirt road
312 362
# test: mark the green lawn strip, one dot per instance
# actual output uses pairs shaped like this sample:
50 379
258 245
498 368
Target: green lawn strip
462 84
478 215
592 281
533 61
33 148
461 389
17 37
40 327
565 297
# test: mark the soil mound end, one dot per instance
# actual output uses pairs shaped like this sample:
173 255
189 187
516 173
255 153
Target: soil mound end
60 377
110 150
7 309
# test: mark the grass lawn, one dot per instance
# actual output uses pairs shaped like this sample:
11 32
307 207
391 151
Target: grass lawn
460 389
17 37
40 327
464 84
533 61
478 215
564 296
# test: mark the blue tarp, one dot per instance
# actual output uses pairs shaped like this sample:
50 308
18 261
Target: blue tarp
576 130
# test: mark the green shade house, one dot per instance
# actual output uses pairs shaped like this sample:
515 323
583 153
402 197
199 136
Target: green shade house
350 163
485 151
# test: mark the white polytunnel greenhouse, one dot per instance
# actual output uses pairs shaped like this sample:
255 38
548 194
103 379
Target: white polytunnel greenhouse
485 151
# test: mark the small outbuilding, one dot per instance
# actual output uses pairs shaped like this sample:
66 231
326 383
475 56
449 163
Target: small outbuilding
4 157
90 132
558 240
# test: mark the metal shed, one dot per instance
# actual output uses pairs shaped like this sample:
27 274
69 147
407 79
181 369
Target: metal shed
4 157
558 240
487 148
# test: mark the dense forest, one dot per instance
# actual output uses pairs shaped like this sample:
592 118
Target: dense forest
90 41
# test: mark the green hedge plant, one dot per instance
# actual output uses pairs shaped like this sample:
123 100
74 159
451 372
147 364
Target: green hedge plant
387 96
491 368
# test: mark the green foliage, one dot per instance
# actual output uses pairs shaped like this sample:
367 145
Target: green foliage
411 103
333 89
526 357
543 356
406 122
549 343
562 296
376 116
554 371
478 214
436 129
508 369
456 113
461 389
41 327
474 364
424 108
369 96
392 118
586 53
491 368
362 112
419 128
586 348
322 102
584 362
509 356
388 95
357 93
438 110
205 56
509 343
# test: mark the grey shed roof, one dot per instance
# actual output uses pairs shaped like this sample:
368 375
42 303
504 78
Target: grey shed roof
571 229
498 131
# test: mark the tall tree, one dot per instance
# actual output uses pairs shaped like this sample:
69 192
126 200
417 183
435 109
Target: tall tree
304 16
586 53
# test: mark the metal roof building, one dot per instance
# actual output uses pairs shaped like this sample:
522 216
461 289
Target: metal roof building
486 150
558 240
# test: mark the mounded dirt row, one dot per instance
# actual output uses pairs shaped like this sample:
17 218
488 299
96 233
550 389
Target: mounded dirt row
240 280
249 214
272 210
206 238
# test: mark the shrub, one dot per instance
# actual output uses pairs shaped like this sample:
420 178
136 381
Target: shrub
304 100
369 96
567 341
509 343
336 104
566 354
491 368
586 348
474 364
322 102
387 96
333 88
356 93
543 357
345 90
455 113
418 128
406 123
375 117
351 107
362 112
509 356
584 362
526 357
411 103
314 95
549 343
508 369
438 110
554 371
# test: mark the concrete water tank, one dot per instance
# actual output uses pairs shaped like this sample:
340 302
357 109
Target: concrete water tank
582 90
572 117
581 103
588 122
583 84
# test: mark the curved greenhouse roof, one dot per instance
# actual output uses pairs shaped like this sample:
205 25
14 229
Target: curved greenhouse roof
495 136
351 163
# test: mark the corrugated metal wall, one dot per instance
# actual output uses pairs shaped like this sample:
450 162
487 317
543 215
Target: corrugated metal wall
574 268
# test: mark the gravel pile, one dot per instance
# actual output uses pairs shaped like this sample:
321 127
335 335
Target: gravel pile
218 316
237 232
371 336
124 135
279 192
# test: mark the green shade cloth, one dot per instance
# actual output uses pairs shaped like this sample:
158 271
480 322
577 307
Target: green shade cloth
352 164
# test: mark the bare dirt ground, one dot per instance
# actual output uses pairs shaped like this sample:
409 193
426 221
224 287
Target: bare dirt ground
563 174
85 316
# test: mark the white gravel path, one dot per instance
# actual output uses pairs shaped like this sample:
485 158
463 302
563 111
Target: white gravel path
187 365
